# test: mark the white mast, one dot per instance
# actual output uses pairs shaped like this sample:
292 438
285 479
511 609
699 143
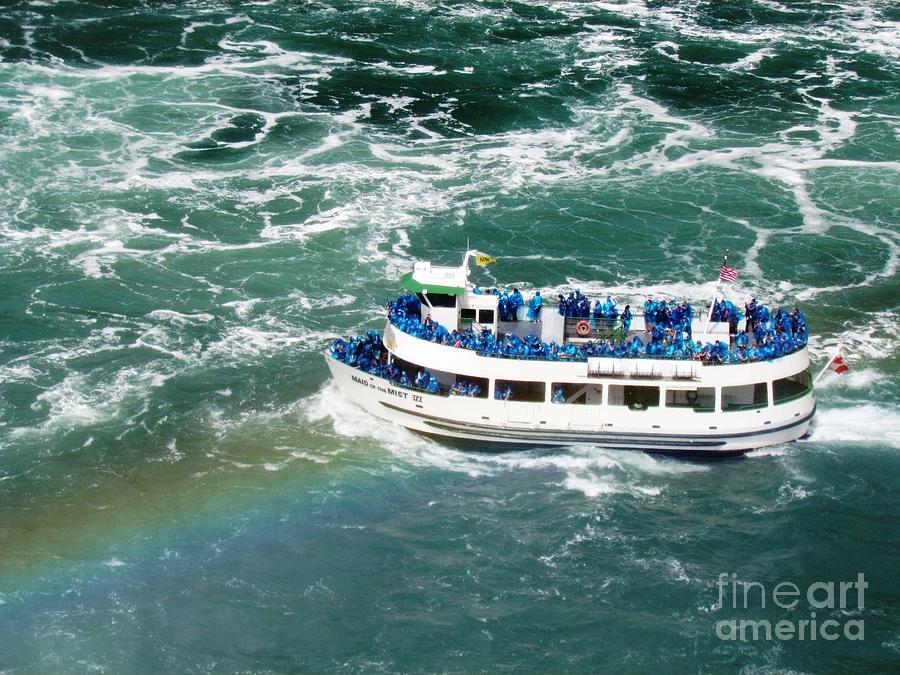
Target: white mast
715 294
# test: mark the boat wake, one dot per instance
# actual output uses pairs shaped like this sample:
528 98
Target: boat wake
592 471
865 424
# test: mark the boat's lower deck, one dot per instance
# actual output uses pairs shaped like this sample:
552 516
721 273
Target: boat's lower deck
498 424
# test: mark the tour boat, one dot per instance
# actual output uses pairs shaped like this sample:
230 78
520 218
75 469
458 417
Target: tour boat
463 364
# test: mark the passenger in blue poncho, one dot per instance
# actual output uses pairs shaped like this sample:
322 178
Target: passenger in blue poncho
636 347
534 307
750 310
558 396
626 318
609 308
515 301
649 313
503 393
503 307
582 306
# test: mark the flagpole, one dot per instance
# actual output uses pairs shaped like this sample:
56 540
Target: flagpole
837 353
715 295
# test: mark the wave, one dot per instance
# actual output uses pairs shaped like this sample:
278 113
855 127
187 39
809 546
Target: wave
869 424
594 472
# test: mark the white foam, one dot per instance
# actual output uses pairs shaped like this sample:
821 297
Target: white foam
789 492
769 451
864 379
271 335
17 373
870 337
242 307
752 60
167 342
174 455
54 94
422 69
79 400
179 318
352 422
867 424
593 472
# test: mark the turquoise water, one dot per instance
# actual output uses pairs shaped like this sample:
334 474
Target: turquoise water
195 198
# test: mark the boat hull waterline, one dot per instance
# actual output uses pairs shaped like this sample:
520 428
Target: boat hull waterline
494 425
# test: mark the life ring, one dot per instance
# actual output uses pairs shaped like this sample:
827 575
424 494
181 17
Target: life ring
583 328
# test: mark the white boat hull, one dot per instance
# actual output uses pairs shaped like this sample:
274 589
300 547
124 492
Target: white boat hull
500 425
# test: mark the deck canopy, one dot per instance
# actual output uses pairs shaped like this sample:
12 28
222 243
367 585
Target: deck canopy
433 279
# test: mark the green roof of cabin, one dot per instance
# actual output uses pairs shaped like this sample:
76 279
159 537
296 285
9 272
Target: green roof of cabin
411 284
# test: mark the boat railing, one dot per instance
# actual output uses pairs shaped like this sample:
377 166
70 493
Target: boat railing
600 328
580 355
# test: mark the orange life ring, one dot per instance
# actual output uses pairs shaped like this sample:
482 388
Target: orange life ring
583 328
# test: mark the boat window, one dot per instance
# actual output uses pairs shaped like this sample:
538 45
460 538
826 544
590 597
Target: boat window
576 393
790 388
702 399
466 317
517 390
441 300
472 387
486 316
635 397
745 397
419 377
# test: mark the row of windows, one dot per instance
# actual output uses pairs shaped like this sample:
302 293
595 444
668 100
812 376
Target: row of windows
636 397
483 316
641 397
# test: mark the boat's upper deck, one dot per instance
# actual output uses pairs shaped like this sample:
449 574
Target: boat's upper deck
496 324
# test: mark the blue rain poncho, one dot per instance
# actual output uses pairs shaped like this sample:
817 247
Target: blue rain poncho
626 318
534 307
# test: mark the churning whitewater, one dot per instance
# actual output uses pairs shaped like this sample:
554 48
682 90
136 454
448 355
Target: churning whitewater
197 199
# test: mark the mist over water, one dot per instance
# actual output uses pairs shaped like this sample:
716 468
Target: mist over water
195 198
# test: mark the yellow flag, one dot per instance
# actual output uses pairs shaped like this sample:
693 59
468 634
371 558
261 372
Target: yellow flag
481 259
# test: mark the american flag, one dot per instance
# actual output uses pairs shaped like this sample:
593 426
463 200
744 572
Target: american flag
729 274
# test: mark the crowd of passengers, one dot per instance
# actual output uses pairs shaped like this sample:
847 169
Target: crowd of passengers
365 352
766 334
668 323
508 303
578 306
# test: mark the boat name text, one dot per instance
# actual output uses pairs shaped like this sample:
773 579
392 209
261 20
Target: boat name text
399 393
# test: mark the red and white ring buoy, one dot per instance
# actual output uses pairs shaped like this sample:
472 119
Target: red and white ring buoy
583 328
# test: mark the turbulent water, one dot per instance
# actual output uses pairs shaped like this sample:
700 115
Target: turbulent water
196 197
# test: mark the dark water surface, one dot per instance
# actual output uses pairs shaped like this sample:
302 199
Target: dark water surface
196 197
